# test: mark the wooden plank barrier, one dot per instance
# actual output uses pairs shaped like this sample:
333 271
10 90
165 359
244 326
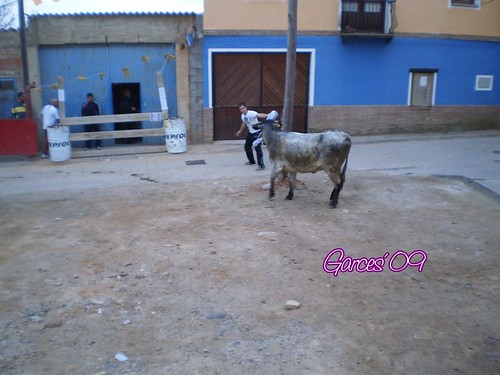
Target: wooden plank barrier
106 119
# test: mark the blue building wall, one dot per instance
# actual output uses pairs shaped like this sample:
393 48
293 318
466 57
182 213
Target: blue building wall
374 71
101 65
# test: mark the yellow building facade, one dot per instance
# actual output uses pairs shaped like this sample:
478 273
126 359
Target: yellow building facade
370 66
416 17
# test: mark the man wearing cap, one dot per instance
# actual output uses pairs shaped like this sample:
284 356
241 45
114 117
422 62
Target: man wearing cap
19 107
91 108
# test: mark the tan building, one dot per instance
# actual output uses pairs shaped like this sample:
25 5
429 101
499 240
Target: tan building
106 54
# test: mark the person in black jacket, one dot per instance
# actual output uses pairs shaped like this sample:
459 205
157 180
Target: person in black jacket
91 108
128 104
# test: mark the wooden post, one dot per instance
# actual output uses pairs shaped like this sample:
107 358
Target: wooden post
61 96
291 69
162 94
22 34
182 73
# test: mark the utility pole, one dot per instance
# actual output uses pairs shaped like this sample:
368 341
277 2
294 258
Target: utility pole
291 69
22 35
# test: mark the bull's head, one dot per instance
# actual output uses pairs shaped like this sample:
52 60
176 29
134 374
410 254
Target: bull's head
275 125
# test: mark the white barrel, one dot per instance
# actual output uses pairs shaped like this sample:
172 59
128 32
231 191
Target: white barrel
59 144
175 135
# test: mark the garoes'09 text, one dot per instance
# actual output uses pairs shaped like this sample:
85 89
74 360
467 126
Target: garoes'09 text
337 262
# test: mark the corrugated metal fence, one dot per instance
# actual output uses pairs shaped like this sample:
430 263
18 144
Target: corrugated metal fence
95 68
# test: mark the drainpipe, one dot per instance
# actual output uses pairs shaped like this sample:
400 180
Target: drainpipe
22 34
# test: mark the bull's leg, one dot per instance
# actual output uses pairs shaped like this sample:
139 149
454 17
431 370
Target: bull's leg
338 183
334 197
274 173
271 189
292 177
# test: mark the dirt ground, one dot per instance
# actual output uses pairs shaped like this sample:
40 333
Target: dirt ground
160 277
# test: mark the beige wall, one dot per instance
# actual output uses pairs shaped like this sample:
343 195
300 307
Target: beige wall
432 16
268 14
422 16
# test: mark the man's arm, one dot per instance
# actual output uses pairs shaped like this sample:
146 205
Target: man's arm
242 128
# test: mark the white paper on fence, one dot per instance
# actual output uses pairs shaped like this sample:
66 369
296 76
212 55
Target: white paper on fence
60 95
156 116
163 99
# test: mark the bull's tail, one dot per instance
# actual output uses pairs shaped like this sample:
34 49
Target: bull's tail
344 151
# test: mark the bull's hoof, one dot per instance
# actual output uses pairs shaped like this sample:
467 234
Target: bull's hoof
289 197
271 194
333 205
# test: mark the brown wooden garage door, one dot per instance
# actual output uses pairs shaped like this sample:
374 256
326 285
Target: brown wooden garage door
258 79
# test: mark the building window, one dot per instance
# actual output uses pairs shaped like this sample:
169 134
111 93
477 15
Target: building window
7 85
465 3
422 89
348 6
373 7
484 83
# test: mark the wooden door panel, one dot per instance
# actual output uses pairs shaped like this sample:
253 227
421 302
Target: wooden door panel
236 79
259 81
273 79
301 97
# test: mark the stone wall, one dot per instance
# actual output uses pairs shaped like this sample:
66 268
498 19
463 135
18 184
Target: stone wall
10 58
368 120
208 121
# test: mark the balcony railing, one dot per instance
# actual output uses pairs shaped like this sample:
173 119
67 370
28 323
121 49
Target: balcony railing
368 16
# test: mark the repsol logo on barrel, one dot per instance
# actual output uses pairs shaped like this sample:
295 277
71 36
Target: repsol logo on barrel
176 136
59 144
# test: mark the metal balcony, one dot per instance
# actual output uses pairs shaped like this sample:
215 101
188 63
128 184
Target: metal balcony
376 18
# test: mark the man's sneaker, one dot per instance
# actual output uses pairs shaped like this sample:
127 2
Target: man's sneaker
98 147
248 163
44 155
260 168
85 148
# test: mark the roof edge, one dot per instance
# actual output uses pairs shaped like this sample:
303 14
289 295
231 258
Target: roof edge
87 14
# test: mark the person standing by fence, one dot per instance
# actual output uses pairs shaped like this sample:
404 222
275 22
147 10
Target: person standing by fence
91 108
19 107
50 117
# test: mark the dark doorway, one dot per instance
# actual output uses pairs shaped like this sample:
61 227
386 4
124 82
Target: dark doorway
127 99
